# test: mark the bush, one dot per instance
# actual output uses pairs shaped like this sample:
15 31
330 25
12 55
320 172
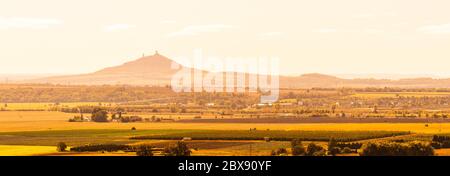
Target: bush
397 149
61 147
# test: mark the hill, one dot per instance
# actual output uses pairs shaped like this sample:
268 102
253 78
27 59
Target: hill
156 70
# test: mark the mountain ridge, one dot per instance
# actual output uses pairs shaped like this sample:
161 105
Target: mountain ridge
156 70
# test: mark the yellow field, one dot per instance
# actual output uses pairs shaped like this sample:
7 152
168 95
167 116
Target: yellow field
45 106
403 94
17 150
32 116
35 121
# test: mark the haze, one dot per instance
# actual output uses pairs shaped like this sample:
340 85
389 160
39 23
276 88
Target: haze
330 37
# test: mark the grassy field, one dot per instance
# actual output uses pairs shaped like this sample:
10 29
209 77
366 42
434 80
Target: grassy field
18 150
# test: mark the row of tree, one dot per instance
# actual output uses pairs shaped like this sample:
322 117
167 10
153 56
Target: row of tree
178 149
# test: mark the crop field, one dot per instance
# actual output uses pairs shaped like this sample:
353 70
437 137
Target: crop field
216 124
345 136
82 137
18 150
47 106
399 94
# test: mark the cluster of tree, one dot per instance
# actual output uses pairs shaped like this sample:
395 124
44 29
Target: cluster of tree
144 150
335 147
312 149
141 150
128 119
58 93
99 114
279 152
315 150
397 149
102 147
297 149
351 145
439 142
178 149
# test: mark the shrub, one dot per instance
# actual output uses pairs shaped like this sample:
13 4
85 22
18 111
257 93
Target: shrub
61 147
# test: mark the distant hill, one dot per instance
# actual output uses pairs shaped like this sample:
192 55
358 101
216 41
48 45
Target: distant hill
156 70
148 70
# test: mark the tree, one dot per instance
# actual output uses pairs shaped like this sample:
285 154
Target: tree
179 149
279 152
333 149
61 147
397 149
297 147
144 150
298 150
315 150
99 115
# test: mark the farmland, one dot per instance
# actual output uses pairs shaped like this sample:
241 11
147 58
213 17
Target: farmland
214 124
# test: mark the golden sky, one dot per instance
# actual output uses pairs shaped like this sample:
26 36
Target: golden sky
325 36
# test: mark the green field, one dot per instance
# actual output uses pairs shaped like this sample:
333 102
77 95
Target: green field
83 137
274 135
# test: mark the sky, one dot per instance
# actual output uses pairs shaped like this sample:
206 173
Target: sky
320 36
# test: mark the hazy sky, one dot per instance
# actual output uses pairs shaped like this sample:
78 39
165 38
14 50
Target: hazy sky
326 36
